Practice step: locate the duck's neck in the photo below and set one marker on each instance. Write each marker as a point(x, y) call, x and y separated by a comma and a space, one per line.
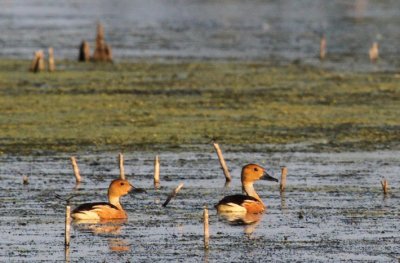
point(250, 191)
point(114, 200)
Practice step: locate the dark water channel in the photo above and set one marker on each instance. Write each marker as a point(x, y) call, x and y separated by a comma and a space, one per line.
point(333, 210)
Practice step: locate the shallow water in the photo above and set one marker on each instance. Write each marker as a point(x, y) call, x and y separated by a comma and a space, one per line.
point(288, 30)
point(345, 216)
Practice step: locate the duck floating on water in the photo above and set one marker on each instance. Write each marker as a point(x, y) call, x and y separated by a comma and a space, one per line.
point(105, 210)
point(250, 202)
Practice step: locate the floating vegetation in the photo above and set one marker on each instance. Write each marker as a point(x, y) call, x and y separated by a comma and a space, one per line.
point(154, 104)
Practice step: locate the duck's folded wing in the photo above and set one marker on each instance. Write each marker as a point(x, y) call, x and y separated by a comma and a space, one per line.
point(236, 203)
point(237, 199)
point(93, 206)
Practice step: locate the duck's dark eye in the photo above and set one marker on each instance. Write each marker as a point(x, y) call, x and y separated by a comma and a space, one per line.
point(256, 169)
point(122, 183)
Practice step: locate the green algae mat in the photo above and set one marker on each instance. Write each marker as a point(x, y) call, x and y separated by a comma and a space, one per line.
point(154, 103)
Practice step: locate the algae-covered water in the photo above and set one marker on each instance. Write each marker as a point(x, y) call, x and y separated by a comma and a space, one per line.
point(152, 104)
point(333, 209)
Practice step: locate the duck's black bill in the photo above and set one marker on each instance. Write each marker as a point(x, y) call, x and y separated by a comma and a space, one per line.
point(268, 177)
point(136, 190)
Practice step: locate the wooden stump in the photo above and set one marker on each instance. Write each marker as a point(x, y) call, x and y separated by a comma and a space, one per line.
point(84, 52)
point(322, 48)
point(173, 194)
point(156, 172)
point(52, 66)
point(222, 162)
point(385, 186)
point(102, 51)
point(282, 185)
point(121, 166)
point(67, 225)
point(76, 170)
point(25, 180)
point(206, 228)
point(374, 52)
point(38, 62)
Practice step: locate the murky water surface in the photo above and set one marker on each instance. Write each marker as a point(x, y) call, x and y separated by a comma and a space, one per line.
point(333, 209)
point(288, 30)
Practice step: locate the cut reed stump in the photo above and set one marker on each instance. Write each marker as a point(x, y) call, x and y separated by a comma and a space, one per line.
point(102, 50)
point(322, 48)
point(52, 66)
point(37, 64)
point(222, 162)
point(67, 225)
point(25, 180)
point(156, 172)
point(76, 170)
point(374, 52)
point(173, 194)
point(121, 166)
point(84, 52)
point(282, 186)
point(385, 186)
point(206, 228)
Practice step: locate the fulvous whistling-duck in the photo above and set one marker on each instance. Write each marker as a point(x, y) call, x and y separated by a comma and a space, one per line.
point(251, 202)
point(103, 210)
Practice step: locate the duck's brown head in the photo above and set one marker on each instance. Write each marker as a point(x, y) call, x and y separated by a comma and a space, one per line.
point(119, 187)
point(253, 172)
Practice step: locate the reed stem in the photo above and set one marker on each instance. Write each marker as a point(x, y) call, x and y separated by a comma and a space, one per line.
point(121, 166)
point(206, 228)
point(173, 194)
point(156, 172)
point(222, 162)
point(76, 170)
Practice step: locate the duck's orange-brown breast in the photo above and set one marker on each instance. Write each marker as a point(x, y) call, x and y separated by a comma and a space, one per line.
point(253, 207)
point(107, 212)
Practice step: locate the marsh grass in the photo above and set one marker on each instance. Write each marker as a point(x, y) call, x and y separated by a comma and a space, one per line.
point(151, 103)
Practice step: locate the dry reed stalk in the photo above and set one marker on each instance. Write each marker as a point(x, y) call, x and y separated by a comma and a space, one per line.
point(282, 185)
point(222, 162)
point(385, 186)
point(173, 194)
point(322, 48)
point(374, 52)
point(206, 228)
point(156, 172)
point(37, 62)
point(67, 225)
point(121, 166)
point(84, 52)
point(52, 66)
point(76, 170)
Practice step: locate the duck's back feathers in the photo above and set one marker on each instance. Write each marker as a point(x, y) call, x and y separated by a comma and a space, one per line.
point(236, 199)
point(91, 206)
point(99, 210)
point(240, 203)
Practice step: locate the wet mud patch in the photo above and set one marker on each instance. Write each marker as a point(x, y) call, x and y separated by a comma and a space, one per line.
point(333, 208)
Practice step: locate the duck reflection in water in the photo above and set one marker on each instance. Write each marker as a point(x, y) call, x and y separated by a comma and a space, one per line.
point(249, 220)
point(110, 229)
